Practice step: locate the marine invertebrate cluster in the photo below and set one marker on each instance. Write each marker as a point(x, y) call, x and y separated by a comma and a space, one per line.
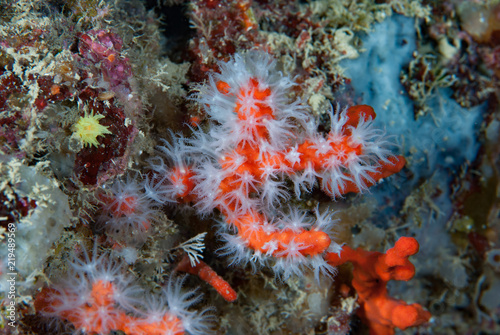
point(257, 138)
point(96, 297)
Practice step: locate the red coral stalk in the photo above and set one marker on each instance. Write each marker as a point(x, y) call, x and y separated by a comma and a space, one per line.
point(205, 272)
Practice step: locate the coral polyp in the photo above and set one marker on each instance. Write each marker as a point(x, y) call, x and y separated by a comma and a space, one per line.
point(87, 129)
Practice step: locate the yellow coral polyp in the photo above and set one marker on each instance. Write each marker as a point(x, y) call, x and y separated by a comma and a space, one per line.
point(88, 128)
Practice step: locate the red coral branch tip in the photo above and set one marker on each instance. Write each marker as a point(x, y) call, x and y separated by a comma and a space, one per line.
point(404, 316)
point(355, 113)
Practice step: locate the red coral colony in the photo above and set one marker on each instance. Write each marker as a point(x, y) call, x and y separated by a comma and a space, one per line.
point(239, 167)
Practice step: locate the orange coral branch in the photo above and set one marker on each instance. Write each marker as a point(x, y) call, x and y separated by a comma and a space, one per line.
point(372, 270)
